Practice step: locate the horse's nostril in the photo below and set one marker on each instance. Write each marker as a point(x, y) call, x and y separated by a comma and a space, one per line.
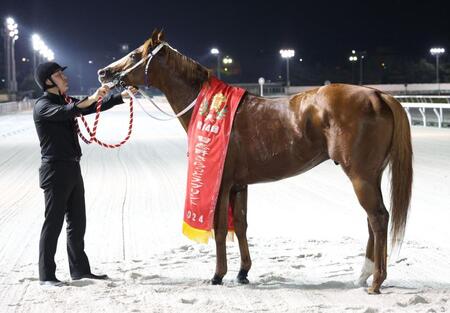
point(101, 72)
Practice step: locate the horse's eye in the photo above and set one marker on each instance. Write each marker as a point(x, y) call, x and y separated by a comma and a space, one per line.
point(135, 56)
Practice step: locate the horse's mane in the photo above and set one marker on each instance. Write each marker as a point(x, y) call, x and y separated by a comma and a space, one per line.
point(188, 67)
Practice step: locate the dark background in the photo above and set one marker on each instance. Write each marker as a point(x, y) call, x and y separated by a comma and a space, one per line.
point(395, 33)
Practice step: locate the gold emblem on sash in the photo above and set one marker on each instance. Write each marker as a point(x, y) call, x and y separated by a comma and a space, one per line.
point(217, 101)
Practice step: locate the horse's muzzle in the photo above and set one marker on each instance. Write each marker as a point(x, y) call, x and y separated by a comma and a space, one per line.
point(104, 75)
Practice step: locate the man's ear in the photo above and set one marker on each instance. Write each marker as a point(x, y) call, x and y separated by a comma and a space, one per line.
point(48, 82)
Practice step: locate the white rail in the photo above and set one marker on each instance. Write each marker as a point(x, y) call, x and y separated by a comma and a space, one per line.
point(423, 103)
point(16, 106)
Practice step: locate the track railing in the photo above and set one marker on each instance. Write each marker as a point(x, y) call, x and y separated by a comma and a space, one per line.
point(439, 105)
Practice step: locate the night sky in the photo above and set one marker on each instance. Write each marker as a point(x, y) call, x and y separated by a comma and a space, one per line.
point(251, 32)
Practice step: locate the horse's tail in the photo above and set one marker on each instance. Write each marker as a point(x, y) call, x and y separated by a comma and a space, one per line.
point(400, 169)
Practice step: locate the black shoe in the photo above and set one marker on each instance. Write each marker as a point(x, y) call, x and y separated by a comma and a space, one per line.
point(52, 283)
point(90, 276)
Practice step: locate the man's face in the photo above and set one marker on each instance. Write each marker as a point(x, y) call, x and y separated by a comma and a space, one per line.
point(60, 81)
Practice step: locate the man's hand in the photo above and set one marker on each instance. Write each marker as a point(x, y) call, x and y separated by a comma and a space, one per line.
point(100, 92)
point(131, 89)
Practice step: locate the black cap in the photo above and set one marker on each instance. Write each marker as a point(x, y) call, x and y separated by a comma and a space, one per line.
point(44, 71)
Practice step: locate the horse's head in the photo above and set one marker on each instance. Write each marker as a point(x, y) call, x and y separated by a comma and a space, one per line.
point(134, 62)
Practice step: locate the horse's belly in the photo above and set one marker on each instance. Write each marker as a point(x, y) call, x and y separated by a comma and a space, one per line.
point(279, 166)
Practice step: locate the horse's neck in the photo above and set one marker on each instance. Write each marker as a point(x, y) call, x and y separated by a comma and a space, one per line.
point(179, 89)
point(179, 98)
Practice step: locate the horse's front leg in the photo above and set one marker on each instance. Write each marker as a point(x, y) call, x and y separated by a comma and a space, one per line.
point(240, 226)
point(220, 234)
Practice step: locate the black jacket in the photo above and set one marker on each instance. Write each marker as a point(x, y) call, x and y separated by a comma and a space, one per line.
point(55, 125)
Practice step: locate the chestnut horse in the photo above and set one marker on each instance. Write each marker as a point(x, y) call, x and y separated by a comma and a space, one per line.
point(360, 128)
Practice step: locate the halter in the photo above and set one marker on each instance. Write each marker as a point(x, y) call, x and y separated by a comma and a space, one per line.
point(118, 80)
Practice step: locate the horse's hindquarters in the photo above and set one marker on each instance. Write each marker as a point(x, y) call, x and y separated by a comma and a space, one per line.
point(360, 127)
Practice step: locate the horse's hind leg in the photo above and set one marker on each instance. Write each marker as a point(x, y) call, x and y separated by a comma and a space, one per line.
point(369, 195)
point(240, 227)
point(367, 269)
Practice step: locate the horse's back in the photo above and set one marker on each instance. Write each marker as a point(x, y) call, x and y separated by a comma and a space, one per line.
point(350, 100)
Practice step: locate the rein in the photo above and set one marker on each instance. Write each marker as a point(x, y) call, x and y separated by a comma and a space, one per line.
point(170, 116)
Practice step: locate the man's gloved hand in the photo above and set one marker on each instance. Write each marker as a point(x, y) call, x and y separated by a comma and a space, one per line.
point(132, 89)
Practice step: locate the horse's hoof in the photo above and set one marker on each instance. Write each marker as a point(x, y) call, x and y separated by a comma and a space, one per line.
point(242, 277)
point(216, 280)
point(243, 281)
point(373, 291)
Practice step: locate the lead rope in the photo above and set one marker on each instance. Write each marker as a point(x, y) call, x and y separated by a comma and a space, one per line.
point(93, 133)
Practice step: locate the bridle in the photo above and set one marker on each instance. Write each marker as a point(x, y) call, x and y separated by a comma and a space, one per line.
point(118, 80)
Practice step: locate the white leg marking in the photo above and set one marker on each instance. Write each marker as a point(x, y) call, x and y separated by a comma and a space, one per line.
point(366, 271)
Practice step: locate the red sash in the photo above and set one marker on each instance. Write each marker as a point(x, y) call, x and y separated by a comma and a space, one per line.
point(208, 136)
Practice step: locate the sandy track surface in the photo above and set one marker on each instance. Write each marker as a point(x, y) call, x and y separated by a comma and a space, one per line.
point(307, 233)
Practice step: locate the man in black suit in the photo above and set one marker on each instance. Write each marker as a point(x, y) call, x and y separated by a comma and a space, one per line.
point(60, 175)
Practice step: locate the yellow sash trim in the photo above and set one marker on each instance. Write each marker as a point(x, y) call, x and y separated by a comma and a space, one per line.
point(198, 235)
point(202, 236)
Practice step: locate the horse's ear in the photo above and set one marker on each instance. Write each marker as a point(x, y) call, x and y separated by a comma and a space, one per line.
point(161, 36)
point(155, 36)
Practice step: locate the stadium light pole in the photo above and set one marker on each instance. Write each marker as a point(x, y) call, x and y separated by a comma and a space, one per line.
point(362, 55)
point(287, 54)
point(11, 34)
point(39, 46)
point(216, 52)
point(36, 43)
point(227, 61)
point(437, 52)
point(353, 59)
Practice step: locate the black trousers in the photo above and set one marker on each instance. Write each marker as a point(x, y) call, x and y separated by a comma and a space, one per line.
point(64, 196)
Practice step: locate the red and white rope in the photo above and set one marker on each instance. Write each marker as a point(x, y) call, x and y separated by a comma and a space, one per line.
point(93, 133)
